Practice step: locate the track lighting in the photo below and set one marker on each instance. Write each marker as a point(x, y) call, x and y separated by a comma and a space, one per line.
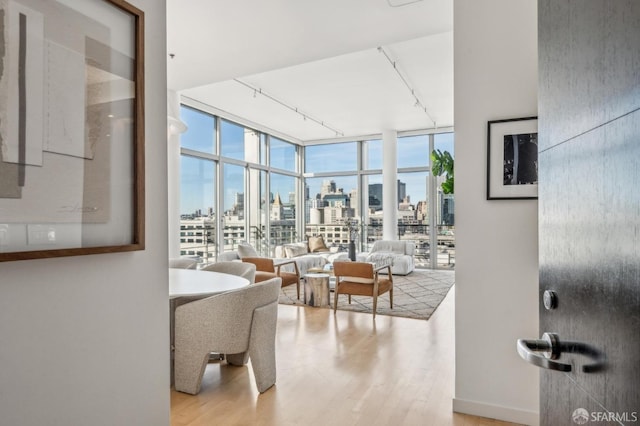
point(418, 103)
point(292, 108)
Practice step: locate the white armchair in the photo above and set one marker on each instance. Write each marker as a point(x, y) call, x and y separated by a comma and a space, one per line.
point(239, 323)
point(399, 252)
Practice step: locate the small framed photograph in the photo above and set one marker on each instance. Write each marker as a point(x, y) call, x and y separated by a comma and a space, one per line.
point(71, 128)
point(512, 159)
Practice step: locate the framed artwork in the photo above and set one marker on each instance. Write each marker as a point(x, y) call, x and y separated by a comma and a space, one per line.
point(71, 128)
point(512, 159)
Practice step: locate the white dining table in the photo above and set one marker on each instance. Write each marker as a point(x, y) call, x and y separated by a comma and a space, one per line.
point(192, 282)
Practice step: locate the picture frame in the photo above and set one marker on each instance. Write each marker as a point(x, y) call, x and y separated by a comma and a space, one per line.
point(71, 128)
point(512, 159)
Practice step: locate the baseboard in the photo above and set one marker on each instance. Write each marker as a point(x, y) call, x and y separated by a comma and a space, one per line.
point(531, 418)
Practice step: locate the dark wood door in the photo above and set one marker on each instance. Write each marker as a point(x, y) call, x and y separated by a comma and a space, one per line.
point(589, 201)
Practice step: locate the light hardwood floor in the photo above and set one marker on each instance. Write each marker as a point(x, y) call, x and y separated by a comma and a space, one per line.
point(342, 369)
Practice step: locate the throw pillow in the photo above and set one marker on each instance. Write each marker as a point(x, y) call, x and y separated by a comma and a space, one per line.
point(247, 250)
point(294, 251)
point(316, 244)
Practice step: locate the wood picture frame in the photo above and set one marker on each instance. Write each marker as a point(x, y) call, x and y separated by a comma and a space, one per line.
point(71, 128)
point(512, 159)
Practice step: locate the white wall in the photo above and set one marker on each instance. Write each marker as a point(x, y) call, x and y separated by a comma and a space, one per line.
point(495, 62)
point(84, 340)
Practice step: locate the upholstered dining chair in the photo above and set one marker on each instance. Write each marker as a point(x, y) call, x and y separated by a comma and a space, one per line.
point(267, 269)
point(182, 263)
point(240, 323)
point(245, 270)
point(242, 269)
point(362, 279)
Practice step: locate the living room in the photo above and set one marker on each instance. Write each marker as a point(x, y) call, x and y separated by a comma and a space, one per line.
point(117, 311)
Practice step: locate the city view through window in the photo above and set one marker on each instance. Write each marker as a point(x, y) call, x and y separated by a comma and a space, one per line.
point(270, 192)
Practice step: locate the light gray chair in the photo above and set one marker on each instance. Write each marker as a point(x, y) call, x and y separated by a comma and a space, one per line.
point(183, 263)
point(240, 323)
point(246, 270)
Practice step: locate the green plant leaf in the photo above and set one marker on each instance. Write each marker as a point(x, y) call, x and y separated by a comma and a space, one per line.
point(447, 186)
point(436, 163)
point(442, 164)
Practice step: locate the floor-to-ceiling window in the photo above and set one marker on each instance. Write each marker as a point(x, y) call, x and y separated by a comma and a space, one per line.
point(237, 184)
point(240, 184)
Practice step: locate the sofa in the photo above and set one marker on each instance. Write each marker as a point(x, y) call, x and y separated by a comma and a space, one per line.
point(299, 252)
point(306, 259)
point(400, 253)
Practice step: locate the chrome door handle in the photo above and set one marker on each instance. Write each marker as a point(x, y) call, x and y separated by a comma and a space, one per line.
point(548, 345)
point(551, 348)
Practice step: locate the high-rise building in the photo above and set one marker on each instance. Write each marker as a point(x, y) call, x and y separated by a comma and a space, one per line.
point(447, 212)
point(328, 187)
point(375, 190)
point(402, 191)
point(375, 196)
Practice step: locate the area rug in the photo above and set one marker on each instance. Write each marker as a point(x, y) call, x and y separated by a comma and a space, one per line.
point(416, 295)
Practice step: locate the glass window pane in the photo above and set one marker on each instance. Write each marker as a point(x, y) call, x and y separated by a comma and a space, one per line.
point(373, 217)
point(445, 214)
point(263, 149)
point(341, 157)
point(412, 197)
point(413, 213)
point(331, 200)
point(197, 207)
point(413, 151)
point(445, 220)
point(201, 131)
point(444, 142)
point(282, 154)
point(258, 205)
point(283, 209)
point(372, 155)
point(233, 205)
point(239, 142)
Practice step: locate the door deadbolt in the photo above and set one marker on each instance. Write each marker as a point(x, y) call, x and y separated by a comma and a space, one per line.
point(550, 300)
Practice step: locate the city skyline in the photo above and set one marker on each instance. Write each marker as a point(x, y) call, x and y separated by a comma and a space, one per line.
point(329, 188)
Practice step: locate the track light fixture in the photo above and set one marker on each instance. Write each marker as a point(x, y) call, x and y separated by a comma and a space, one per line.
point(418, 103)
point(305, 116)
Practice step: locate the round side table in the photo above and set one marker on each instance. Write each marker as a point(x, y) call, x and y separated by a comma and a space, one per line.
point(316, 289)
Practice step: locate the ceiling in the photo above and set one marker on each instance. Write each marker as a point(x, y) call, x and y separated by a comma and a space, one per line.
point(261, 61)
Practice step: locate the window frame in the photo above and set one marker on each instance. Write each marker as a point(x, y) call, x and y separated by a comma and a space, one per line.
point(301, 175)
